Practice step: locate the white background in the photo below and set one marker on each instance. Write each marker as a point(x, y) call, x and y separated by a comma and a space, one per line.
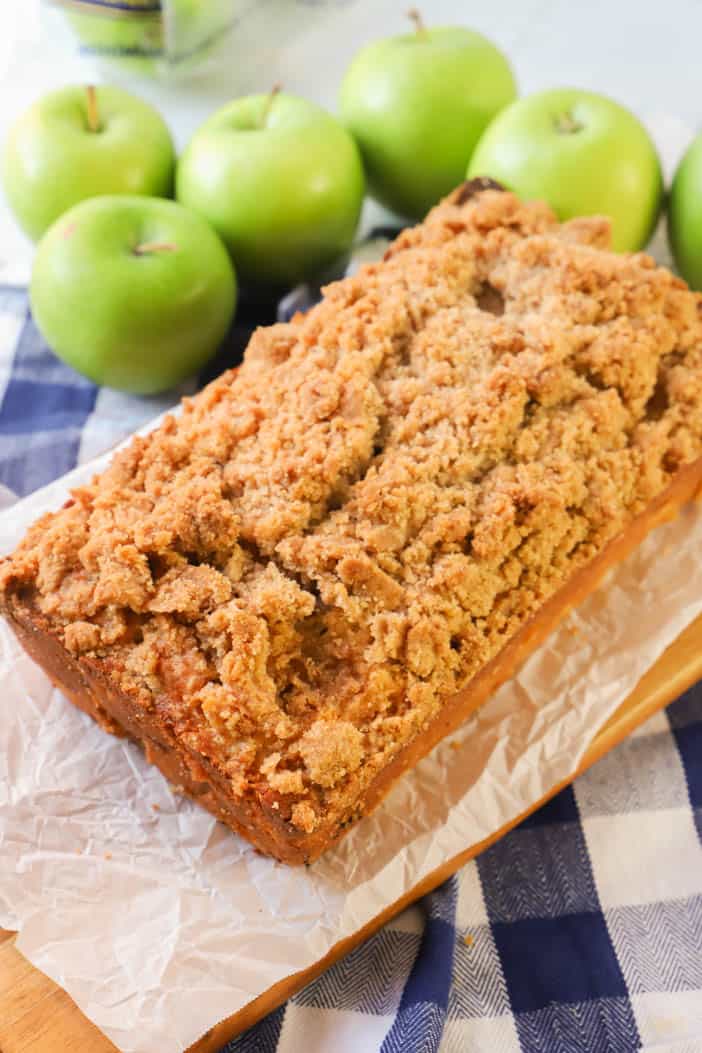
point(645, 53)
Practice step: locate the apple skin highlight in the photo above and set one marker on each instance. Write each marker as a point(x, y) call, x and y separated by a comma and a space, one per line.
point(280, 180)
point(581, 152)
point(133, 292)
point(79, 142)
point(417, 104)
point(685, 215)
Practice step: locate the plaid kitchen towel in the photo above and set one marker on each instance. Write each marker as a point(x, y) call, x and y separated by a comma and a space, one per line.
point(579, 931)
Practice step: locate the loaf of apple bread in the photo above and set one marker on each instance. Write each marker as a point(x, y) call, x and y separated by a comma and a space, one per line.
point(290, 591)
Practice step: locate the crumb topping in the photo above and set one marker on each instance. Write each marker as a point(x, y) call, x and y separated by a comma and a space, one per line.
point(330, 541)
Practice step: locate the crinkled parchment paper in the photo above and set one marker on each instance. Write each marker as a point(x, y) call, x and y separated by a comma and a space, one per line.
point(159, 922)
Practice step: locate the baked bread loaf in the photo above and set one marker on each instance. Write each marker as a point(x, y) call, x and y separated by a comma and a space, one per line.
point(292, 590)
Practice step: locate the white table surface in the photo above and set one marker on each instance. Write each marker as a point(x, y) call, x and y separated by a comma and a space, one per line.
point(645, 53)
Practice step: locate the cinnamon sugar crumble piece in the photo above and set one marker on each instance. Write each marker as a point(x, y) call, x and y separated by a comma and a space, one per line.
point(331, 749)
point(304, 817)
point(326, 544)
point(81, 636)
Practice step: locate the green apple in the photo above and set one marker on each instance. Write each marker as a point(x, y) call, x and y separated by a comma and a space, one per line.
point(134, 292)
point(417, 105)
point(136, 38)
point(131, 38)
point(582, 153)
point(280, 181)
point(196, 27)
point(685, 215)
point(79, 142)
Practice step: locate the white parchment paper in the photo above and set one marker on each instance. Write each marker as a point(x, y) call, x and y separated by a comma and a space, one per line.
point(159, 922)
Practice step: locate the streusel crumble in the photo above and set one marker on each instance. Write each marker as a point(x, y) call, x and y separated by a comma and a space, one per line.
point(296, 572)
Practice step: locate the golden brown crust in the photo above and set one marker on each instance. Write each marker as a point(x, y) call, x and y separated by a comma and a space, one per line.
point(293, 578)
point(292, 836)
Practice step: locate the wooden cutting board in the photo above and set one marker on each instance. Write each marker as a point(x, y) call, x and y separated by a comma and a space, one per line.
point(36, 1016)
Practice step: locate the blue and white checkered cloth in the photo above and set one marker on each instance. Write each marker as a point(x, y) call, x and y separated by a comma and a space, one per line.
point(579, 931)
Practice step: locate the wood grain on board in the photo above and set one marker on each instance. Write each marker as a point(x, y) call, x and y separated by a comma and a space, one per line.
point(36, 1016)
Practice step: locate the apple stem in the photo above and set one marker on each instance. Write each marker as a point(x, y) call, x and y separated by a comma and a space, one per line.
point(275, 90)
point(566, 124)
point(93, 113)
point(415, 15)
point(149, 247)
